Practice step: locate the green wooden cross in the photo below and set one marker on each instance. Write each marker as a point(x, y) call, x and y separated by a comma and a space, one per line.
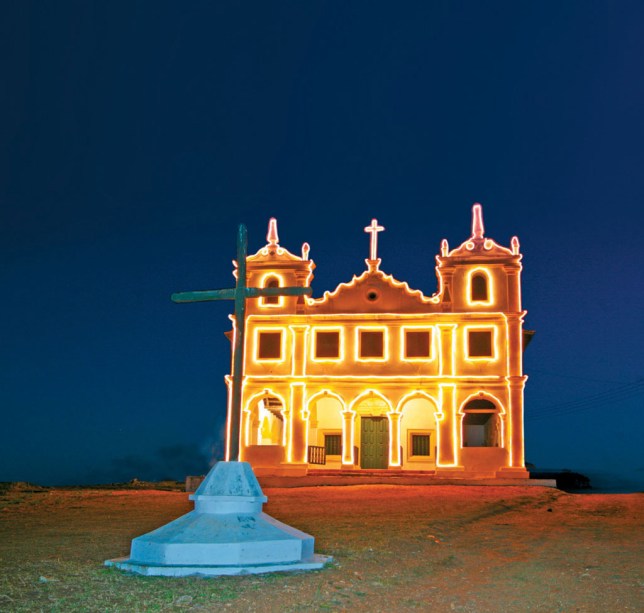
point(239, 294)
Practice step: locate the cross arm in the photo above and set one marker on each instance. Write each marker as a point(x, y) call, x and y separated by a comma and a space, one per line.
point(204, 296)
point(256, 292)
point(249, 292)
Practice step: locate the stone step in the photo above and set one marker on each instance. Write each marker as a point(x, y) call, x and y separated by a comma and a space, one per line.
point(370, 473)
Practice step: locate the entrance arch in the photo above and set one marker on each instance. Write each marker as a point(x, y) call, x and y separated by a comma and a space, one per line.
point(264, 430)
point(264, 423)
point(372, 436)
point(325, 428)
point(418, 431)
point(482, 425)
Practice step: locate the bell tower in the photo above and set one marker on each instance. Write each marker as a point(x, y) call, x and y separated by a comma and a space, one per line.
point(480, 275)
point(481, 286)
point(275, 266)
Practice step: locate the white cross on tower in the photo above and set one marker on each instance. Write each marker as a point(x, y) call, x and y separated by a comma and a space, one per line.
point(373, 229)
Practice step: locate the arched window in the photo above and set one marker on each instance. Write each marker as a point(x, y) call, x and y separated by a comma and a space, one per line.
point(478, 288)
point(481, 424)
point(267, 422)
point(271, 300)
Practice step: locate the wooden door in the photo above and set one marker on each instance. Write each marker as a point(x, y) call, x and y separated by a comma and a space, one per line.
point(374, 442)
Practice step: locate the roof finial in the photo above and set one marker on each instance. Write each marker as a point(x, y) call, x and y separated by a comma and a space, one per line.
point(373, 229)
point(272, 237)
point(305, 251)
point(477, 221)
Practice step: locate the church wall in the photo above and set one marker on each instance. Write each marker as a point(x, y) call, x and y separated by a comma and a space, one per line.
point(393, 361)
point(483, 461)
point(264, 456)
point(420, 393)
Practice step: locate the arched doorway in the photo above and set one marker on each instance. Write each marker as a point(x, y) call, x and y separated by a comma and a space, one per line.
point(264, 431)
point(418, 432)
point(265, 422)
point(325, 430)
point(373, 442)
point(481, 424)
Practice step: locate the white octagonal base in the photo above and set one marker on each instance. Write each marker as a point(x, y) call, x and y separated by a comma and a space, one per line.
point(226, 534)
point(315, 563)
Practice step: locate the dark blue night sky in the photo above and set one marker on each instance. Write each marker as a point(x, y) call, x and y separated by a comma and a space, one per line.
point(135, 136)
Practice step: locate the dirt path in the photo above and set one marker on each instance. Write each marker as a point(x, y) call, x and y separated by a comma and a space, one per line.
point(445, 548)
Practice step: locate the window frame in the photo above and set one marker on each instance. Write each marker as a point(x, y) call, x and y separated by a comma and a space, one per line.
point(403, 343)
point(257, 338)
point(432, 446)
point(315, 332)
point(493, 330)
point(385, 343)
point(489, 301)
point(279, 300)
point(326, 433)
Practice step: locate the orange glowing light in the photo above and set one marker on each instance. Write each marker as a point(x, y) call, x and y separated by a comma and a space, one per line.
point(391, 346)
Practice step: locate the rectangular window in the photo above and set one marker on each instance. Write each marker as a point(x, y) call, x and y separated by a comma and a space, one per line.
point(372, 344)
point(327, 345)
point(418, 343)
point(480, 344)
point(269, 346)
point(333, 444)
point(420, 445)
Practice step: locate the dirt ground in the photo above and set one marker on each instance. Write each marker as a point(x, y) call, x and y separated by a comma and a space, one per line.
point(396, 548)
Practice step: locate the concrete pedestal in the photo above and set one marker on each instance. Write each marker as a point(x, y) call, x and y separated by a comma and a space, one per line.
point(226, 534)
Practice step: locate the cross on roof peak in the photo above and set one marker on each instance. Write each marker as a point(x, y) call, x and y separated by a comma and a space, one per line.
point(373, 229)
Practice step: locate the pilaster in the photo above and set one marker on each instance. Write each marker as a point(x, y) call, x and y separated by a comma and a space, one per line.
point(446, 345)
point(447, 434)
point(348, 424)
point(296, 450)
point(394, 434)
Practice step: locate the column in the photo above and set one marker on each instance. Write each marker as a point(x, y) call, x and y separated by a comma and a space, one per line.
point(394, 439)
point(515, 422)
point(447, 430)
point(297, 449)
point(229, 397)
point(515, 344)
point(513, 276)
point(348, 424)
point(299, 337)
point(446, 348)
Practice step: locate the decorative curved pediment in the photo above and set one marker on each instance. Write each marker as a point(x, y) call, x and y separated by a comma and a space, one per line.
point(483, 246)
point(478, 245)
point(273, 252)
point(372, 292)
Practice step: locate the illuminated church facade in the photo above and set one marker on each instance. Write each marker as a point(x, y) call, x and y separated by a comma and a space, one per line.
point(375, 375)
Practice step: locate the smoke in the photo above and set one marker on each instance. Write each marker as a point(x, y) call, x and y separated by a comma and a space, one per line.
point(168, 462)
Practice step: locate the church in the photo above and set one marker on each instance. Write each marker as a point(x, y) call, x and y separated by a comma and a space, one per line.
point(377, 376)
